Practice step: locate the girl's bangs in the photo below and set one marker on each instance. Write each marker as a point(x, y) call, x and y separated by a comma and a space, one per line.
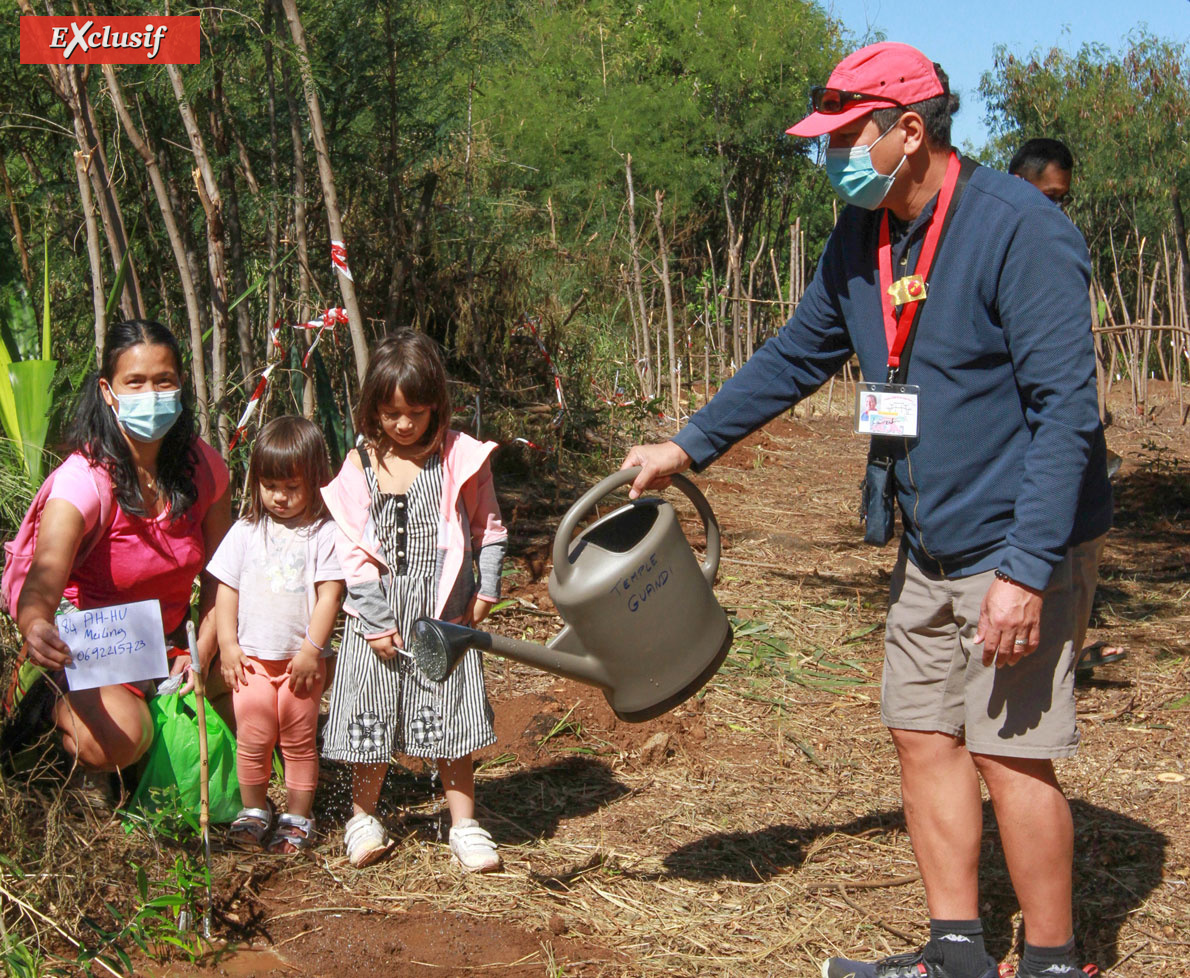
point(278, 460)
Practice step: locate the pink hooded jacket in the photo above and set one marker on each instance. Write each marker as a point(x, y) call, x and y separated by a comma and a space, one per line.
point(469, 532)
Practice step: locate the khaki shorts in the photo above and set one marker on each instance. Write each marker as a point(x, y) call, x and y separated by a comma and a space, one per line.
point(935, 679)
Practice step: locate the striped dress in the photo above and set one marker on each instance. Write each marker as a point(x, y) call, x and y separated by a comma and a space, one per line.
point(379, 708)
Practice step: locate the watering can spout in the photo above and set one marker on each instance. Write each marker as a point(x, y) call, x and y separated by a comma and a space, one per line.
point(642, 622)
point(437, 646)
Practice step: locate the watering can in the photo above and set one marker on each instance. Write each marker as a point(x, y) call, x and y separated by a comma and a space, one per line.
point(642, 622)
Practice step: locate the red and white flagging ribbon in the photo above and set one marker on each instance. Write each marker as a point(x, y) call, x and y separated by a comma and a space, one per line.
point(339, 259)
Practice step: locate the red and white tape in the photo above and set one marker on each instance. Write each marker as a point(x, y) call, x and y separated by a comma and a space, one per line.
point(339, 259)
point(328, 320)
point(529, 324)
point(253, 403)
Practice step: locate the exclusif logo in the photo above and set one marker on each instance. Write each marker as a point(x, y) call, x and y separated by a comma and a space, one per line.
point(110, 40)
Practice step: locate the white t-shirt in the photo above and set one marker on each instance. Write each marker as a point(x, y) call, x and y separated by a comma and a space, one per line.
point(274, 568)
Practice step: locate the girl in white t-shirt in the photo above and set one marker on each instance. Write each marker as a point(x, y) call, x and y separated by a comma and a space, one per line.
point(280, 588)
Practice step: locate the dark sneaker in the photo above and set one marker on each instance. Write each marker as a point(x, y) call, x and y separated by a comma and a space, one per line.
point(911, 965)
point(1059, 971)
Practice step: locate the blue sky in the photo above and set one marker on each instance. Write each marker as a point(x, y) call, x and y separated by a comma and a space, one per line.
point(961, 36)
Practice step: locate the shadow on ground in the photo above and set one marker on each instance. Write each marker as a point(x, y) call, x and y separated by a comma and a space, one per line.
point(1118, 863)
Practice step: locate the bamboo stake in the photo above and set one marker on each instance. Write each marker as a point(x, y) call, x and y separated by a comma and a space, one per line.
point(1184, 343)
point(204, 766)
point(1169, 308)
point(751, 278)
point(777, 282)
point(735, 273)
point(1142, 339)
point(706, 346)
point(648, 383)
point(794, 230)
point(1100, 386)
point(675, 392)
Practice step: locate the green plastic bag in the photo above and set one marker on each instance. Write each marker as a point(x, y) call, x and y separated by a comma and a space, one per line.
point(173, 760)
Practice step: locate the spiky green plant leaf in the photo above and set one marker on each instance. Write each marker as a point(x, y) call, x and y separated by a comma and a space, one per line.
point(31, 384)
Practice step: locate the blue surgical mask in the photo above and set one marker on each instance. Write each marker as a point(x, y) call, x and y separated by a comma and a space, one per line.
point(855, 179)
point(148, 416)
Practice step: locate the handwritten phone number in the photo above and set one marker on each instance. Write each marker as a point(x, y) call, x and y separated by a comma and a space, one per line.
point(104, 651)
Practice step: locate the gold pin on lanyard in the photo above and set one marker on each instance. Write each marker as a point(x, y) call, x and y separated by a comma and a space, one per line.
point(912, 288)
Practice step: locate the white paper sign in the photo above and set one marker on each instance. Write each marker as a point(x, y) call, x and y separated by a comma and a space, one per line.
point(123, 643)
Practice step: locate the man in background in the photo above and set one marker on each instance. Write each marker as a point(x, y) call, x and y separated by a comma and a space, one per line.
point(1048, 165)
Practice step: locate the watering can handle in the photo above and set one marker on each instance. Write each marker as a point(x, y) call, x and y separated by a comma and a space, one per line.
point(622, 478)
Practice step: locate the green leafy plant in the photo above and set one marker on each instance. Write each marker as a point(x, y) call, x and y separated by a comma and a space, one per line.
point(26, 381)
point(20, 959)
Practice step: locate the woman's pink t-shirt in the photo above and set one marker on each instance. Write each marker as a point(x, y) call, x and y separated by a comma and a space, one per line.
point(140, 558)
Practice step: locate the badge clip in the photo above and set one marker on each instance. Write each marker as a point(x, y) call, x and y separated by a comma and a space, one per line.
point(912, 288)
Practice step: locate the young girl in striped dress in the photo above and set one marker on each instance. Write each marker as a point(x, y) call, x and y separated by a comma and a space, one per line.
point(417, 515)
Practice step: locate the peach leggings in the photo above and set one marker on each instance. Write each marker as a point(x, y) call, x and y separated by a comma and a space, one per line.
point(267, 712)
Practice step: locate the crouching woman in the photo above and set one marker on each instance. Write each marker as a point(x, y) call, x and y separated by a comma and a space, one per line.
point(133, 513)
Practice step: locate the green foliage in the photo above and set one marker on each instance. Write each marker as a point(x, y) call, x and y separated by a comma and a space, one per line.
point(17, 487)
point(699, 95)
point(27, 382)
point(1122, 115)
point(21, 958)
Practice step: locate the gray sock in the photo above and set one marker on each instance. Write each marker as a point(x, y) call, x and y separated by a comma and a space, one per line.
point(1050, 962)
point(961, 944)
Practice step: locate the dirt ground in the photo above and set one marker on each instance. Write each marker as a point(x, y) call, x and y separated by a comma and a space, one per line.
point(757, 828)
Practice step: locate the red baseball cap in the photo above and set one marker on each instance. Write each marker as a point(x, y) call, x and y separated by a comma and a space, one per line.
point(895, 74)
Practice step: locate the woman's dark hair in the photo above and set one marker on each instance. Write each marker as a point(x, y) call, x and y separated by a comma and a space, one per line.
point(97, 435)
point(409, 362)
point(935, 113)
point(289, 448)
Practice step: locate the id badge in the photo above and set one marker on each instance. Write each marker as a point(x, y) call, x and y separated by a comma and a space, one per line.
point(886, 409)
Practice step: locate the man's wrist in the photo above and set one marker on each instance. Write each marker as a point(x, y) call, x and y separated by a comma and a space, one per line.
point(1001, 576)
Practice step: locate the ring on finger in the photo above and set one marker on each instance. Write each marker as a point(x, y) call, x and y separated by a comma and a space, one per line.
point(1020, 641)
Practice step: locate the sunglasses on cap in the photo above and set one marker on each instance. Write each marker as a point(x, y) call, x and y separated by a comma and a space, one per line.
point(832, 101)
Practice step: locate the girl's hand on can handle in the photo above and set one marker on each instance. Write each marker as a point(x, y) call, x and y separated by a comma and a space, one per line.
point(478, 610)
point(386, 646)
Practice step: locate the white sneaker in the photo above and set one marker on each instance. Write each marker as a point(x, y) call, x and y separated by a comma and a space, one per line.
point(473, 848)
point(366, 840)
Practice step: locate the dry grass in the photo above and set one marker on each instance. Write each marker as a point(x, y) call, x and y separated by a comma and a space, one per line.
point(766, 832)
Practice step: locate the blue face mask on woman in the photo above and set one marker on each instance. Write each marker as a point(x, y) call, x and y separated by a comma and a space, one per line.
point(855, 179)
point(148, 416)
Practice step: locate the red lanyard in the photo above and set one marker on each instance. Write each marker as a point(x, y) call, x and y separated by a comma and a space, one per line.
point(897, 327)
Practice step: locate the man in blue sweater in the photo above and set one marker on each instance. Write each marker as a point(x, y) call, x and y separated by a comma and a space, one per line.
point(1000, 480)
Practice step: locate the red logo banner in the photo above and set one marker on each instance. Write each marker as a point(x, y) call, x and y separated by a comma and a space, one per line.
point(110, 40)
